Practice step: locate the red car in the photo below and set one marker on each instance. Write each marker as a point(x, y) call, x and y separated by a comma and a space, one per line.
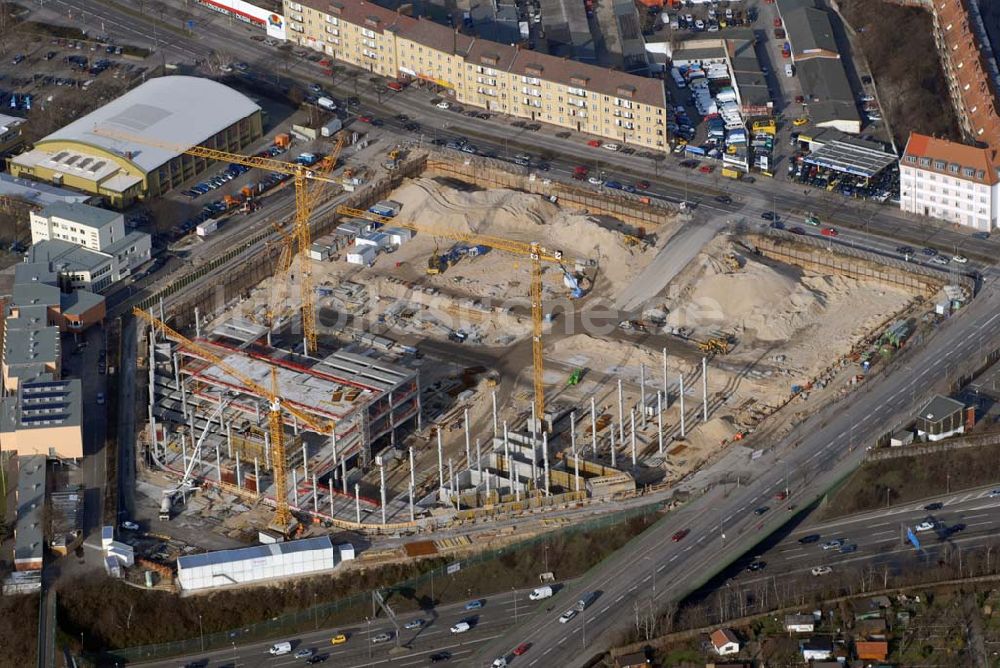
point(781, 496)
point(594, 143)
point(829, 232)
point(800, 99)
point(706, 169)
point(680, 535)
point(522, 648)
point(777, 22)
point(580, 172)
point(642, 185)
point(365, 119)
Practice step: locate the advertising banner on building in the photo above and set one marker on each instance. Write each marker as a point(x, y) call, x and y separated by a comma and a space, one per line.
point(273, 23)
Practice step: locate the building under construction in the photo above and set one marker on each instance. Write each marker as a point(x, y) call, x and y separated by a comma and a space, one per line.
point(219, 425)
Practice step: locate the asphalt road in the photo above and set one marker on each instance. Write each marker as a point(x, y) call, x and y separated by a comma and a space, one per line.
point(722, 522)
point(880, 535)
point(415, 646)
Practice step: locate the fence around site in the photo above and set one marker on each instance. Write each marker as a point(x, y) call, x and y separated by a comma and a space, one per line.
point(315, 617)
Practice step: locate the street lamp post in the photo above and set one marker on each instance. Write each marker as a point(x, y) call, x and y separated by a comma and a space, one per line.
point(545, 551)
point(201, 631)
point(513, 593)
point(369, 622)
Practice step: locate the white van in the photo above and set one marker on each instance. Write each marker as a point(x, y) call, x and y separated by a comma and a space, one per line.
point(788, 70)
point(277, 649)
point(540, 593)
point(327, 103)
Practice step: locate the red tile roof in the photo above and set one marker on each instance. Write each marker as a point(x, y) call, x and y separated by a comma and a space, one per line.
point(943, 154)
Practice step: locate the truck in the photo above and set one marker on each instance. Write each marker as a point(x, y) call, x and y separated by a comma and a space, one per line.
point(166, 501)
point(386, 207)
point(207, 227)
point(731, 173)
point(585, 601)
point(327, 103)
point(331, 128)
point(396, 85)
point(280, 648)
point(540, 593)
point(307, 159)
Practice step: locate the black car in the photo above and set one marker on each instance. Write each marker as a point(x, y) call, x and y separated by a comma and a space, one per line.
point(847, 549)
point(811, 538)
point(402, 118)
point(904, 250)
point(724, 199)
point(937, 505)
point(777, 225)
point(440, 656)
point(797, 230)
point(317, 658)
point(438, 141)
point(955, 528)
point(412, 127)
point(767, 215)
point(353, 101)
point(564, 135)
point(928, 251)
point(760, 511)
point(756, 566)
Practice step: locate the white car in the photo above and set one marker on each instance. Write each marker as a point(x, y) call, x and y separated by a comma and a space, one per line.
point(994, 494)
point(461, 627)
point(594, 181)
point(821, 570)
point(381, 638)
point(129, 526)
point(413, 624)
point(305, 653)
point(833, 544)
point(611, 147)
point(926, 525)
point(939, 260)
point(960, 259)
point(566, 616)
point(443, 105)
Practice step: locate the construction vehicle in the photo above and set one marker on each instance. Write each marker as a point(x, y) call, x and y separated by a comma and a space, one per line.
point(276, 425)
point(733, 262)
point(713, 346)
point(574, 378)
point(532, 250)
point(305, 199)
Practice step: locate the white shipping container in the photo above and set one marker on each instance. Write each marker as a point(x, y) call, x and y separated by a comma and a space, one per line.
point(207, 227)
point(253, 564)
point(361, 255)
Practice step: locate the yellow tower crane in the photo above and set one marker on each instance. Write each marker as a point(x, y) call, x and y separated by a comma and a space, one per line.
point(532, 250)
point(304, 200)
point(282, 515)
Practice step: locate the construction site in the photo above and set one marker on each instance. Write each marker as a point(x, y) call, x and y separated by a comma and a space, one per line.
point(422, 365)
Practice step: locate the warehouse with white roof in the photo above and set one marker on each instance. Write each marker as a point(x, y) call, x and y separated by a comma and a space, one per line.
point(178, 110)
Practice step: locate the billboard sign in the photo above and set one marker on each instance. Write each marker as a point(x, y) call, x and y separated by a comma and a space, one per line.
point(273, 23)
point(454, 568)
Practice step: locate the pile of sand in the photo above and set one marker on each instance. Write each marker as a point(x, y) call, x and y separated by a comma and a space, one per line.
point(516, 215)
point(763, 302)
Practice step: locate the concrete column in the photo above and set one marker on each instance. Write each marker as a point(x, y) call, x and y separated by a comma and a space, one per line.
point(681, 377)
point(305, 460)
point(572, 432)
point(593, 425)
point(197, 319)
point(611, 432)
point(333, 447)
point(413, 473)
point(411, 502)
point(177, 371)
point(184, 451)
point(704, 388)
point(440, 461)
point(545, 459)
point(295, 425)
point(152, 429)
point(256, 473)
point(451, 480)
point(163, 317)
point(218, 461)
point(534, 425)
point(496, 429)
point(487, 487)
point(229, 440)
point(357, 502)
point(222, 418)
point(506, 443)
point(330, 487)
point(468, 453)
point(381, 485)
point(621, 413)
point(295, 488)
point(343, 473)
point(479, 459)
point(576, 470)
point(642, 393)
point(510, 477)
point(666, 393)
point(315, 495)
point(267, 449)
point(659, 421)
point(184, 401)
point(633, 438)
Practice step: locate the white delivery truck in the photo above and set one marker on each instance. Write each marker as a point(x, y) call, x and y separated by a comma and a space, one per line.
point(327, 103)
point(279, 648)
point(540, 593)
point(331, 128)
point(788, 70)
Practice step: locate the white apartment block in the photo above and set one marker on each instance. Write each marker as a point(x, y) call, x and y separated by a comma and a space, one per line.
point(949, 181)
point(88, 246)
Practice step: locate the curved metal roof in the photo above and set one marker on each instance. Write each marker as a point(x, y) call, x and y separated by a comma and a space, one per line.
point(175, 109)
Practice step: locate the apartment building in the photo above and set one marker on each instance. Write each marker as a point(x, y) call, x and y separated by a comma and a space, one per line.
point(475, 72)
point(950, 181)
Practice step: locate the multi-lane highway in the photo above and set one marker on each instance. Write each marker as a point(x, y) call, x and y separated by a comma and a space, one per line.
point(724, 525)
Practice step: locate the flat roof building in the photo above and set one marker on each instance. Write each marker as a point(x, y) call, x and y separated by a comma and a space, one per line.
point(845, 154)
point(10, 133)
point(181, 110)
point(29, 534)
point(223, 568)
point(44, 417)
point(940, 418)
